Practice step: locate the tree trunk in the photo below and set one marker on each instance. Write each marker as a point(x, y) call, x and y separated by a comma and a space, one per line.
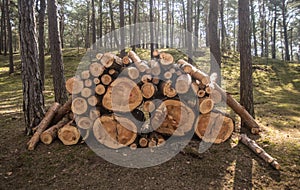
point(214, 40)
point(223, 29)
point(262, 30)
point(41, 39)
point(87, 37)
point(93, 25)
point(9, 35)
point(151, 29)
point(4, 28)
point(135, 16)
point(57, 66)
point(274, 32)
point(100, 22)
point(61, 24)
point(33, 99)
point(113, 27)
point(122, 31)
point(190, 30)
point(197, 23)
point(253, 28)
point(246, 92)
point(1, 31)
point(285, 32)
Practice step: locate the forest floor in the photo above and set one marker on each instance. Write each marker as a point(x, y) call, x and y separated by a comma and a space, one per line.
point(229, 165)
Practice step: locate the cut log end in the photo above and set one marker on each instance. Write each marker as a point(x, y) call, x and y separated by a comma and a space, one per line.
point(69, 135)
point(214, 127)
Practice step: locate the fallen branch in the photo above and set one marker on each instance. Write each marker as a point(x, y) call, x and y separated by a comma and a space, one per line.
point(259, 151)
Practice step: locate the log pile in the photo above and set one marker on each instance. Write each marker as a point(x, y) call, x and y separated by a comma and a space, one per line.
point(129, 102)
point(113, 97)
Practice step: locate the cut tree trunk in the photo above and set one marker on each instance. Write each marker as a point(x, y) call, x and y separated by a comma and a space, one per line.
point(69, 134)
point(74, 85)
point(240, 110)
point(50, 134)
point(79, 106)
point(214, 127)
point(173, 117)
point(114, 131)
point(123, 95)
point(259, 151)
point(43, 125)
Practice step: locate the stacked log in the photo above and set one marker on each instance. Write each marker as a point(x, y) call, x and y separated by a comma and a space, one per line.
point(129, 102)
point(176, 98)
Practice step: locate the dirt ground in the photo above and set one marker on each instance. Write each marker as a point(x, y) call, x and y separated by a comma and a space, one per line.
point(226, 166)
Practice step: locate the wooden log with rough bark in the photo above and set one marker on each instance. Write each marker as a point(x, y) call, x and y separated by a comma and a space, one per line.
point(214, 127)
point(194, 72)
point(50, 134)
point(62, 111)
point(43, 125)
point(69, 134)
point(259, 151)
point(239, 109)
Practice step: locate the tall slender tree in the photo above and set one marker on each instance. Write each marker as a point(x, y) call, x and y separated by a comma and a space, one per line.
point(214, 40)
point(93, 24)
point(246, 91)
point(135, 17)
point(253, 27)
point(57, 66)
point(4, 28)
point(33, 99)
point(41, 39)
point(285, 29)
point(190, 29)
point(100, 22)
point(122, 31)
point(87, 37)
point(151, 28)
point(9, 35)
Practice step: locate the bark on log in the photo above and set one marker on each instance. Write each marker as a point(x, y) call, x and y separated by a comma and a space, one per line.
point(214, 127)
point(259, 151)
point(50, 134)
point(114, 131)
point(194, 72)
point(62, 111)
point(69, 134)
point(43, 125)
point(240, 110)
point(123, 95)
point(173, 117)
